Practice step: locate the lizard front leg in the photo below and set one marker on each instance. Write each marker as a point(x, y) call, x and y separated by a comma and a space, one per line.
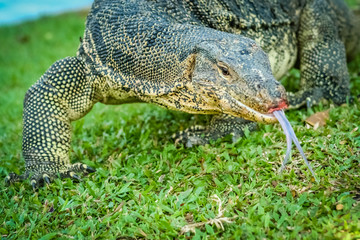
point(62, 94)
point(324, 73)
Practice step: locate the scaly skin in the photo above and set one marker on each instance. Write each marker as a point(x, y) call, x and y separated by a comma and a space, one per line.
point(63, 94)
point(190, 56)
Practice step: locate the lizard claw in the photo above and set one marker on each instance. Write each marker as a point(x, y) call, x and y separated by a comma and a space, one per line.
point(89, 169)
point(8, 180)
point(74, 176)
point(46, 178)
point(308, 103)
point(34, 185)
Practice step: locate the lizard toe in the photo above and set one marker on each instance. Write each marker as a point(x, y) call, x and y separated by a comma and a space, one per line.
point(35, 184)
point(81, 168)
point(13, 177)
point(87, 169)
point(70, 174)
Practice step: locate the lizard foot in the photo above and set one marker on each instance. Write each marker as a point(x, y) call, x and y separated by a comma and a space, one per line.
point(13, 177)
point(220, 126)
point(195, 135)
point(38, 178)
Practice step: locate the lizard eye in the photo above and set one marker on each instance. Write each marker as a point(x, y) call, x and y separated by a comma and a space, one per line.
point(224, 70)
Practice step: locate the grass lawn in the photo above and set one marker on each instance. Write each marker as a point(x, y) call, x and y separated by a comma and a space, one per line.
point(145, 187)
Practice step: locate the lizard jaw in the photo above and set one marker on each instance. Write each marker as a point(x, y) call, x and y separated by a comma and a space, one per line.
point(238, 109)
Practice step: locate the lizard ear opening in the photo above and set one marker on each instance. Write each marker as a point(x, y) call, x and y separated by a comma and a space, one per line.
point(189, 65)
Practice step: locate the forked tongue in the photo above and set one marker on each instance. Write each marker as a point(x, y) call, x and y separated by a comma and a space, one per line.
point(290, 137)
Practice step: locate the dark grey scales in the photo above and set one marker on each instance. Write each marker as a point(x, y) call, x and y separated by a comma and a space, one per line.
point(193, 56)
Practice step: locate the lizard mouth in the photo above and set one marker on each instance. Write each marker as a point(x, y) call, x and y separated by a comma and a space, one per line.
point(238, 109)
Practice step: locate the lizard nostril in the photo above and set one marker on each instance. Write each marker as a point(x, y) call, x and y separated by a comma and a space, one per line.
point(258, 86)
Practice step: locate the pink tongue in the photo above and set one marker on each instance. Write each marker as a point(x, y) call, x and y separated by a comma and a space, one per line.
point(290, 137)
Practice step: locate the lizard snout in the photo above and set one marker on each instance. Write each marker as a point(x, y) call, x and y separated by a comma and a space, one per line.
point(273, 97)
point(281, 104)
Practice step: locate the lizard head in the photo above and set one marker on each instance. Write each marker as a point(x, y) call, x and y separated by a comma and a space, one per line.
point(234, 76)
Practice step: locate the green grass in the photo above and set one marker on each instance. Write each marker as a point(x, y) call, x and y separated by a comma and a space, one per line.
point(145, 187)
